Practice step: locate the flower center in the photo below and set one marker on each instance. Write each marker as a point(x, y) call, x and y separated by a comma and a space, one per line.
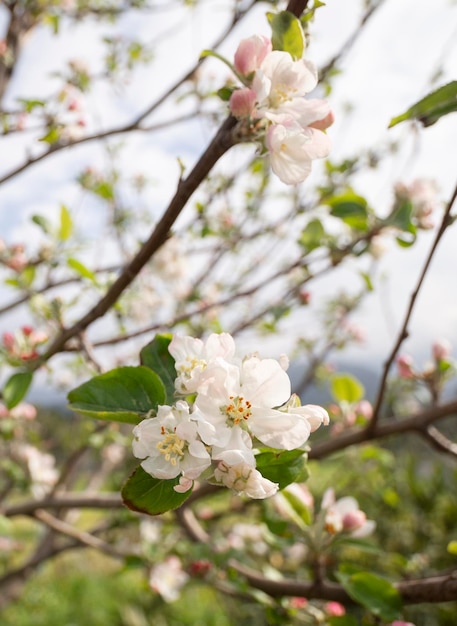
point(171, 446)
point(238, 409)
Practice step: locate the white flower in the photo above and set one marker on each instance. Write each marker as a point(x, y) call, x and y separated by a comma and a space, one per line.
point(41, 468)
point(168, 578)
point(313, 415)
point(245, 396)
point(245, 480)
point(293, 148)
point(344, 515)
point(169, 444)
point(280, 79)
point(192, 356)
point(237, 449)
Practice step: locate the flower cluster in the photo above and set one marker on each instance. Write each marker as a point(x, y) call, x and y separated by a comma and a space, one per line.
point(422, 193)
point(238, 404)
point(272, 105)
point(22, 345)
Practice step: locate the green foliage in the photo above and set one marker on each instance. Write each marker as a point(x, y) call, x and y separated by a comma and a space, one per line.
point(430, 109)
point(346, 388)
point(283, 468)
point(66, 224)
point(313, 236)
point(82, 270)
point(155, 355)
point(126, 394)
point(287, 33)
point(146, 494)
point(16, 388)
point(351, 208)
point(377, 594)
point(402, 218)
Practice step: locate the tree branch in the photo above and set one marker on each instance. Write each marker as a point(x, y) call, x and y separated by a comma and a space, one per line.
point(441, 588)
point(403, 334)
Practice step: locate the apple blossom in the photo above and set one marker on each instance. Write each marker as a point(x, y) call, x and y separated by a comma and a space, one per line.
point(192, 356)
point(344, 515)
point(242, 102)
point(250, 53)
point(441, 350)
point(168, 578)
point(245, 396)
point(245, 480)
point(169, 444)
point(334, 609)
point(292, 150)
point(405, 366)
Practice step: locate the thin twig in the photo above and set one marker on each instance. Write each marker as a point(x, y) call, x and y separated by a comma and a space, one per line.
point(403, 334)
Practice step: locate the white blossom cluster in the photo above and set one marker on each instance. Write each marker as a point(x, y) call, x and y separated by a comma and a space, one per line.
point(272, 102)
point(239, 404)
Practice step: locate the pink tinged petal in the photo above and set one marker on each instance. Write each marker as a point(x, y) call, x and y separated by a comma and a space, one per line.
point(242, 102)
point(286, 75)
point(325, 122)
point(318, 145)
point(250, 53)
point(307, 112)
point(292, 149)
point(184, 485)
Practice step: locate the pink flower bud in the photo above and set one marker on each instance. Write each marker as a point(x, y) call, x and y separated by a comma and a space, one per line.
point(200, 568)
point(405, 366)
point(298, 603)
point(8, 341)
point(324, 123)
point(364, 409)
point(400, 622)
point(305, 296)
point(242, 102)
point(17, 262)
point(27, 330)
point(250, 53)
point(335, 609)
point(441, 350)
point(353, 520)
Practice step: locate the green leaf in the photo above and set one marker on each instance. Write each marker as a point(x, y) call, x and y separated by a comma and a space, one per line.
point(52, 136)
point(346, 388)
point(430, 109)
point(155, 355)
point(82, 270)
point(27, 276)
point(126, 394)
point(377, 594)
point(146, 494)
point(313, 235)
point(300, 512)
point(43, 223)
point(66, 223)
point(16, 388)
point(350, 208)
point(342, 620)
point(287, 33)
point(30, 104)
point(283, 468)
